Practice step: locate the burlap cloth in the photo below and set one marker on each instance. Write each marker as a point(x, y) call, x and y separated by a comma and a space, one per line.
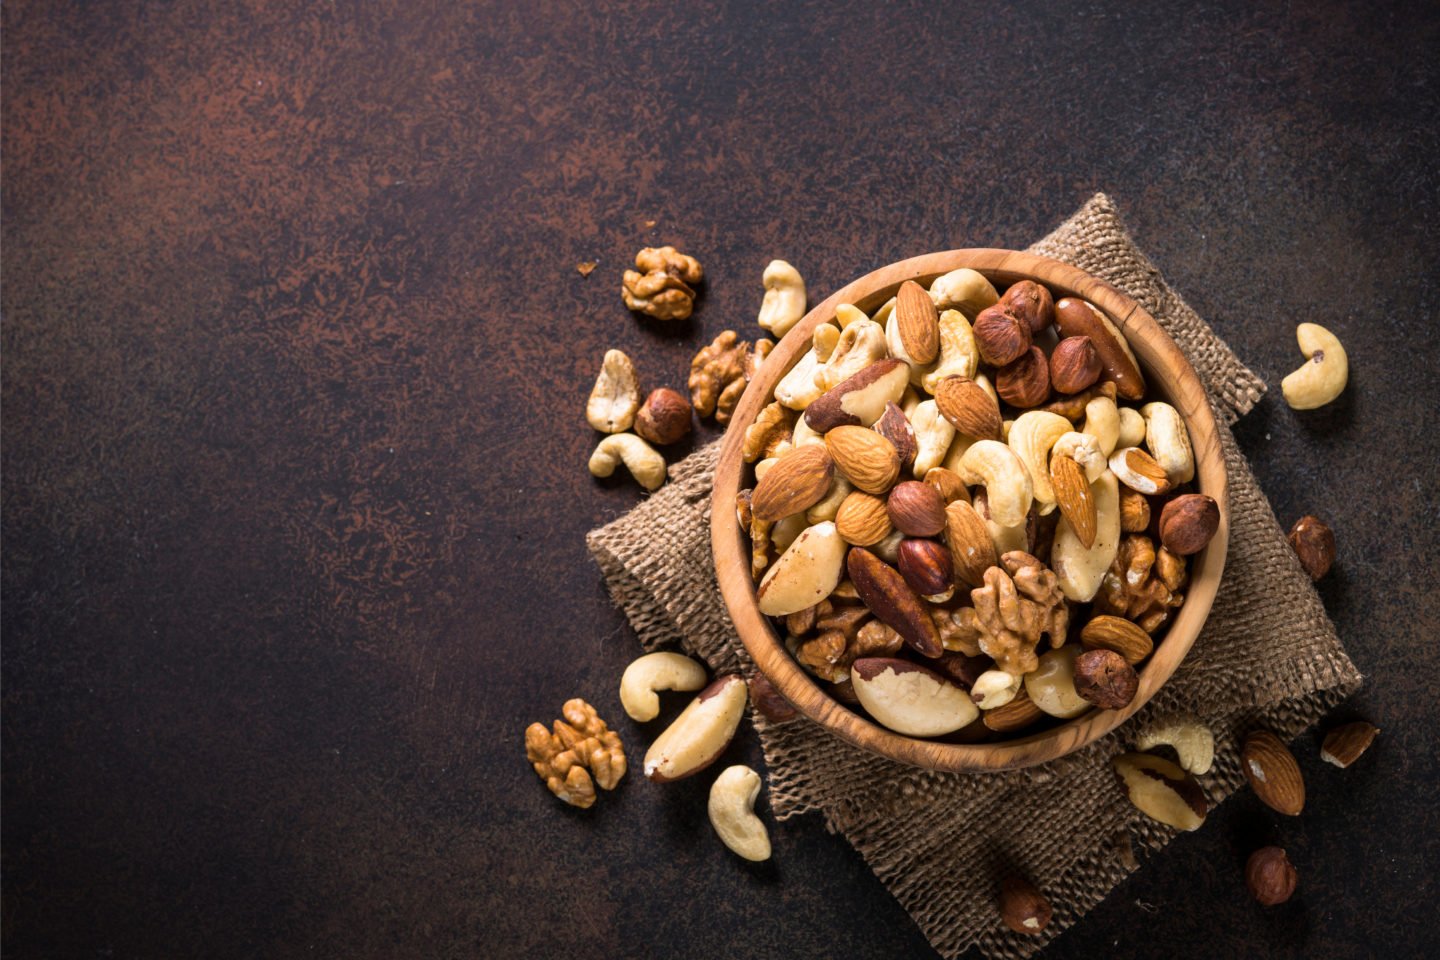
point(1268, 656)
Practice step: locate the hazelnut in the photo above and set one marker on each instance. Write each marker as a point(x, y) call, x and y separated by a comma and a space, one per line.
point(1104, 678)
point(1023, 908)
point(927, 567)
point(664, 417)
point(1000, 336)
point(1188, 522)
point(1314, 544)
point(916, 509)
point(1134, 511)
point(1032, 303)
point(1074, 364)
point(1270, 876)
point(1025, 382)
point(768, 701)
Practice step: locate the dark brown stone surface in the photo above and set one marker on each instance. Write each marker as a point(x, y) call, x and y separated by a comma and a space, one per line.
point(294, 493)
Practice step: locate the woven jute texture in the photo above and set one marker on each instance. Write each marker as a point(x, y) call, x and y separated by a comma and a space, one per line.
point(1268, 656)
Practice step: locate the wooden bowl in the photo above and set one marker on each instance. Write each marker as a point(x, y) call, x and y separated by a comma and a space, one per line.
point(1169, 376)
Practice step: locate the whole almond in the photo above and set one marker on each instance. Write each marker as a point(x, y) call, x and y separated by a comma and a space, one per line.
point(1000, 336)
point(1345, 743)
point(947, 483)
point(797, 481)
point(893, 426)
point(892, 601)
point(971, 549)
point(916, 509)
point(1015, 715)
point(1273, 773)
point(969, 408)
point(867, 460)
point(1024, 381)
point(1072, 493)
point(918, 322)
point(1118, 634)
point(862, 519)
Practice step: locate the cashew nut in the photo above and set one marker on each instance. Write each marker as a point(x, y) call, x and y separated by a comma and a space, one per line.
point(1085, 450)
point(896, 346)
point(823, 339)
point(784, 302)
point(964, 290)
point(641, 459)
point(1193, 742)
point(798, 389)
point(882, 316)
point(994, 688)
point(827, 508)
point(1102, 421)
point(763, 467)
point(1051, 685)
point(958, 355)
point(1325, 373)
point(933, 435)
point(652, 672)
point(848, 313)
point(1132, 429)
point(1008, 489)
point(615, 396)
point(1169, 441)
point(803, 433)
point(958, 446)
point(861, 344)
point(1031, 437)
point(732, 813)
point(1080, 570)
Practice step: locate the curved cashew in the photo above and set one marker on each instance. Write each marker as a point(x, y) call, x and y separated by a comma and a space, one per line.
point(848, 313)
point(1085, 450)
point(823, 341)
point(1102, 421)
point(1325, 373)
point(933, 435)
point(615, 396)
point(1031, 437)
point(994, 688)
point(784, 302)
point(1193, 742)
point(965, 290)
point(958, 355)
point(1169, 441)
point(798, 389)
point(827, 508)
point(1007, 483)
point(652, 672)
point(861, 344)
point(1078, 569)
point(1132, 429)
point(641, 459)
point(803, 434)
point(732, 813)
point(1003, 538)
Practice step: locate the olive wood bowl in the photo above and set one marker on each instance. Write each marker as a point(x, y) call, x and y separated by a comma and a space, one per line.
point(1169, 377)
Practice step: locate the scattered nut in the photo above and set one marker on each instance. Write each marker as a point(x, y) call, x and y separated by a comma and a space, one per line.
point(642, 460)
point(1162, 791)
point(719, 373)
point(1074, 364)
point(1024, 381)
point(1325, 373)
point(1193, 742)
point(1273, 773)
point(1023, 908)
point(1314, 544)
point(1270, 876)
point(657, 671)
point(701, 732)
point(1000, 335)
point(615, 396)
point(770, 703)
point(664, 417)
point(909, 698)
point(784, 302)
point(1188, 522)
point(1105, 679)
point(1344, 745)
point(581, 745)
point(732, 813)
point(665, 290)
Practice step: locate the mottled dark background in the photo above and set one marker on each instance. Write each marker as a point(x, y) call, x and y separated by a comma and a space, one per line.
point(294, 485)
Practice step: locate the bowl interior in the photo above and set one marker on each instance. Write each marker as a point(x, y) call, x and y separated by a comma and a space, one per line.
point(1169, 376)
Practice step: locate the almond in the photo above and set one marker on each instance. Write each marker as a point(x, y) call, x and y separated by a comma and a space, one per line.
point(863, 519)
point(1072, 493)
point(916, 509)
point(1272, 771)
point(798, 480)
point(1015, 715)
point(1139, 471)
point(971, 549)
point(947, 483)
point(1120, 635)
point(969, 408)
point(1344, 744)
point(918, 322)
point(893, 426)
point(867, 460)
point(892, 601)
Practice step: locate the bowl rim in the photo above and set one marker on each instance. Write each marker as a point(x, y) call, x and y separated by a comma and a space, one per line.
point(1179, 385)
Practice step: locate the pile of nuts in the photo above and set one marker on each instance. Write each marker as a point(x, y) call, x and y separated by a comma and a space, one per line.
point(951, 490)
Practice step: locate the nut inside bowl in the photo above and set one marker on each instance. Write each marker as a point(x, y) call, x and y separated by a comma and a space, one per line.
point(1169, 377)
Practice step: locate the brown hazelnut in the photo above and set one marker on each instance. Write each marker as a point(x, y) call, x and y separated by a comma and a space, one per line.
point(1023, 908)
point(1105, 679)
point(1188, 522)
point(927, 567)
point(1270, 876)
point(1134, 511)
point(1074, 364)
point(1000, 336)
point(768, 701)
point(664, 417)
point(1025, 382)
point(915, 508)
point(1314, 544)
point(1032, 303)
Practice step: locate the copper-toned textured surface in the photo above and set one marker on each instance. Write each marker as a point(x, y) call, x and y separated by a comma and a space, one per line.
point(295, 354)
